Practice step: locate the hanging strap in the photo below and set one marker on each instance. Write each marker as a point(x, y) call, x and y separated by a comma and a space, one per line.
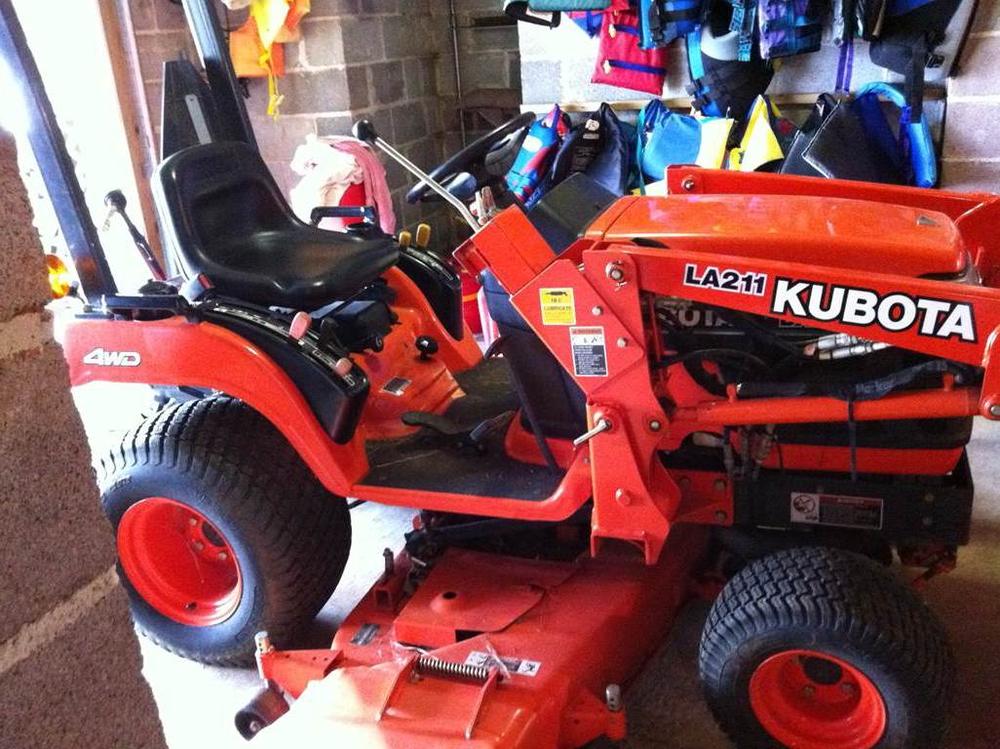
point(640, 130)
point(636, 67)
point(845, 68)
point(743, 22)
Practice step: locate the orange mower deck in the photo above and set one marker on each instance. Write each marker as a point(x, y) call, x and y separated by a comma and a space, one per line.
point(488, 652)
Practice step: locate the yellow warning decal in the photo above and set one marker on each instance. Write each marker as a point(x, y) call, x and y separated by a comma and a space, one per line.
point(558, 307)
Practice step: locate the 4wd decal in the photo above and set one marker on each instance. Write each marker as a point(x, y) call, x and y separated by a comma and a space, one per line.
point(102, 358)
point(895, 312)
point(725, 279)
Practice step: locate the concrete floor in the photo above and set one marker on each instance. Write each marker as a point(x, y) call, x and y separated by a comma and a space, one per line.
point(664, 704)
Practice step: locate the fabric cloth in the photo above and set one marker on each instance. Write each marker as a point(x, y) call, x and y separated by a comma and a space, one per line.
point(329, 166)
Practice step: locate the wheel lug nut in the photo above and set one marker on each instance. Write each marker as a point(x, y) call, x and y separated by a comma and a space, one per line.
point(846, 687)
point(198, 545)
point(221, 556)
point(808, 690)
point(192, 522)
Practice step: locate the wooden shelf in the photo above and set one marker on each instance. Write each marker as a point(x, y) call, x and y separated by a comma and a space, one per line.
point(684, 102)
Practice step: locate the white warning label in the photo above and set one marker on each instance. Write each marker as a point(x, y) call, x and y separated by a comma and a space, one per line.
point(836, 510)
point(590, 355)
point(517, 666)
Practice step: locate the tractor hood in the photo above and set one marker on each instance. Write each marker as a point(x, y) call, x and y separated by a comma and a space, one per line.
point(851, 234)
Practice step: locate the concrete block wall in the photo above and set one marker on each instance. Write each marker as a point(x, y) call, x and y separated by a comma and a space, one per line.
point(489, 60)
point(69, 659)
point(971, 157)
point(388, 60)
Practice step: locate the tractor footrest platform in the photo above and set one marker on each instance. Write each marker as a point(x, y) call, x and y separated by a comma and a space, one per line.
point(422, 461)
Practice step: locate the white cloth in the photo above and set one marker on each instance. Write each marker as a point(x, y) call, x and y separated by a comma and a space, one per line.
point(326, 175)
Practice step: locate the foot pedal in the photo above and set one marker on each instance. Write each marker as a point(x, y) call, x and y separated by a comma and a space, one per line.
point(440, 424)
point(459, 435)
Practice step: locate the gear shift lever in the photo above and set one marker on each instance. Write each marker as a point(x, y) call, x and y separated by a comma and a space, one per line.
point(365, 131)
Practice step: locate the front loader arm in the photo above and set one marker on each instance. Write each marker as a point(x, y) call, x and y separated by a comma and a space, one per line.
point(692, 180)
point(950, 320)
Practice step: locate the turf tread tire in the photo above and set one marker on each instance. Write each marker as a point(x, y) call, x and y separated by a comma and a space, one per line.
point(846, 604)
point(248, 473)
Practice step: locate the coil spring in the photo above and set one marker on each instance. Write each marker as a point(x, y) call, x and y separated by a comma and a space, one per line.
point(428, 665)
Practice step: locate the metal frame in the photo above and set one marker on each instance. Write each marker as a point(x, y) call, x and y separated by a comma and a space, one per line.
point(55, 163)
point(222, 80)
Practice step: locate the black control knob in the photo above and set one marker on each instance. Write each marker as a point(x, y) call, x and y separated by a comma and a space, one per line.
point(116, 200)
point(427, 347)
point(365, 131)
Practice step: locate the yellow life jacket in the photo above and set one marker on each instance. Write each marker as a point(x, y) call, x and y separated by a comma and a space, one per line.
point(255, 47)
point(760, 144)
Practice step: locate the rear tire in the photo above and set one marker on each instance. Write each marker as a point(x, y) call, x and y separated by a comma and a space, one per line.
point(222, 530)
point(814, 647)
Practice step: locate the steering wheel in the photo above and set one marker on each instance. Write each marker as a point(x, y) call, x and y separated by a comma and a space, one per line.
point(471, 162)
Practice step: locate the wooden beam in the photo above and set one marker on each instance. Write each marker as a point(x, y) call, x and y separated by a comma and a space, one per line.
point(119, 35)
point(684, 102)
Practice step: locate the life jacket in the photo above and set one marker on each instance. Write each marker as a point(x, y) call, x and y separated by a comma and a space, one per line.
point(588, 20)
point(912, 148)
point(790, 27)
point(255, 48)
point(537, 151)
point(665, 138)
point(857, 18)
point(844, 139)
point(912, 30)
point(721, 84)
point(766, 138)
point(662, 21)
point(600, 147)
point(620, 61)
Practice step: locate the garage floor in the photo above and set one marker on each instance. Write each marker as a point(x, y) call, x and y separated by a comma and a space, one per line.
point(665, 709)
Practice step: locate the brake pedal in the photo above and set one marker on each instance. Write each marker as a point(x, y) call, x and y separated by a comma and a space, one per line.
point(459, 435)
point(435, 422)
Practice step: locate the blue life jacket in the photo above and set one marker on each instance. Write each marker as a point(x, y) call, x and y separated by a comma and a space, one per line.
point(600, 147)
point(588, 20)
point(663, 21)
point(537, 151)
point(721, 84)
point(790, 27)
point(913, 148)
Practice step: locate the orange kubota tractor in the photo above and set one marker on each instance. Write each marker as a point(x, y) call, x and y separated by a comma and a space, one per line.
point(759, 387)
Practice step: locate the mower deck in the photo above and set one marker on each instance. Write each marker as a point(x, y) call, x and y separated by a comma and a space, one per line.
point(426, 461)
point(489, 651)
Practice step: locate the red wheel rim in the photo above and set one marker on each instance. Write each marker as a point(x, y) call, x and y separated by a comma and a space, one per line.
point(810, 700)
point(178, 562)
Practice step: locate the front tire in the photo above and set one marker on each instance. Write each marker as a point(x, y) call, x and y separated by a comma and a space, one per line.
point(222, 530)
point(816, 647)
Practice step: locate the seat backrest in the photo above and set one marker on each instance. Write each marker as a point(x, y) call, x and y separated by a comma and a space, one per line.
point(211, 196)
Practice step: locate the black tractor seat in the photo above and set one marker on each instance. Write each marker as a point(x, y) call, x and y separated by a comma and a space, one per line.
point(225, 217)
